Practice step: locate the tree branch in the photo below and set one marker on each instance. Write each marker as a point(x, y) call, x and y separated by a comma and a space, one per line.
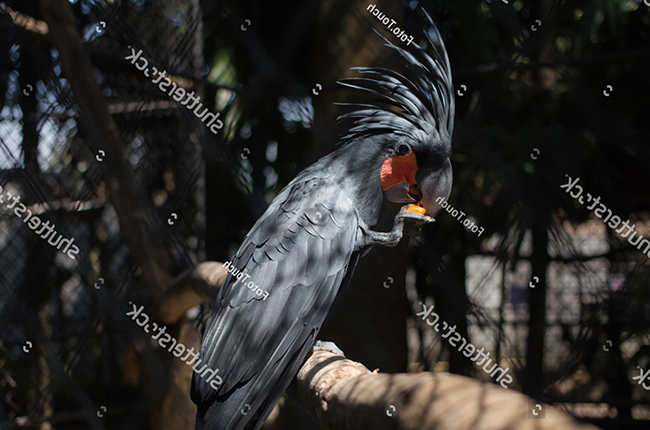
point(193, 287)
point(340, 394)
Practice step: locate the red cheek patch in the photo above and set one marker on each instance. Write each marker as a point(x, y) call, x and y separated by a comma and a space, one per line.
point(398, 169)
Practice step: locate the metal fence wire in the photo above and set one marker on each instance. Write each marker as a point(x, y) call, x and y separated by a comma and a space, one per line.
point(595, 319)
point(58, 310)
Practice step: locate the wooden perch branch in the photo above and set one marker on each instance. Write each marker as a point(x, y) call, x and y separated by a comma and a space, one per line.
point(193, 287)
point(340, 394)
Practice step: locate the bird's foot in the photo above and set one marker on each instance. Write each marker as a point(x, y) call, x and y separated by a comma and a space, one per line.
point(416, 217)
point(327, 346)
point(413, 220)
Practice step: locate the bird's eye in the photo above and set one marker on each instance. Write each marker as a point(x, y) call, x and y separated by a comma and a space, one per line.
point(403, 149)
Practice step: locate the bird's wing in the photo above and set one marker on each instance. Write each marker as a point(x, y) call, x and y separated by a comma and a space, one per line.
point(298, 252)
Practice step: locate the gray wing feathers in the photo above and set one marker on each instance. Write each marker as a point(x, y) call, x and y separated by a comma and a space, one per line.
point(298, 252)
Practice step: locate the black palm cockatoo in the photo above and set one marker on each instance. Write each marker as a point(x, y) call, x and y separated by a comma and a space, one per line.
point(299, 252)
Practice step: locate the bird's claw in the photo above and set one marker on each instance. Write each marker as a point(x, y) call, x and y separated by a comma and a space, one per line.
point(327, 346)
point(419, 219)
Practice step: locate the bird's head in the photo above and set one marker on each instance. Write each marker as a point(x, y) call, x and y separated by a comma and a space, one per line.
point(410, 123)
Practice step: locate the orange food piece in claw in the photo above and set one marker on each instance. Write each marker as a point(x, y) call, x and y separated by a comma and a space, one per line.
point(417, 209)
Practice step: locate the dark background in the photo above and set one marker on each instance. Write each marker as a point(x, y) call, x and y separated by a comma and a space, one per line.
point(545, 89)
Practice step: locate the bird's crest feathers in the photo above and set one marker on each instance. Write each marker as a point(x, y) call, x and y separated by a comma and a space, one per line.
point(424, 100)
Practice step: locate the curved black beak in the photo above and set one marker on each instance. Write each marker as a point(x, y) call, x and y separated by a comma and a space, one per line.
point(435, 186)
